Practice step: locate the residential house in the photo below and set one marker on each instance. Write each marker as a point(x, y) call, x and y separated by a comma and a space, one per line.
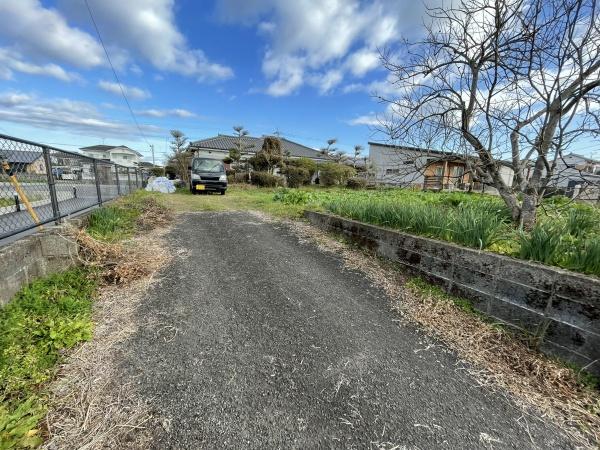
point(426, 169)
point(29, 162)
point(218, 147)
point(119, 154)
point(577, 176)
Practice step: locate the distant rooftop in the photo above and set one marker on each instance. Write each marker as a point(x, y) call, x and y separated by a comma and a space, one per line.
point(225, 142)
point(19, 157)
point(107, 148)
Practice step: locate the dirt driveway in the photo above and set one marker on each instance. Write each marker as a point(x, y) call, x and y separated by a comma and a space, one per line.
point(254, 338)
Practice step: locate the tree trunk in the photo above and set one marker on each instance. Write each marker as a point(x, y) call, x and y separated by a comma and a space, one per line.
point(513, 204)
point(528, 211)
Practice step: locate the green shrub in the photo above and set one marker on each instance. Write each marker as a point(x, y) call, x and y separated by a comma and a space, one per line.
point(542, 243)
point(158, 171)
point(297, 176)
point(585, 258)
point(305, 163)
point(112, 222)
point(265, 179)
point(239, 177)
point(293, 196)
point(356, 183)
point(474, 226)
point(581, 220)
point(42, 320)
point(334, 174)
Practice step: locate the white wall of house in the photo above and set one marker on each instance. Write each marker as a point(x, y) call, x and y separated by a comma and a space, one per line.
point(118, 155)
point(125, 157)
point(397, 167)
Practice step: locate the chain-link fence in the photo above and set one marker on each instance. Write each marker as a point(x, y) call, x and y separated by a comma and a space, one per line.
point(40, 184)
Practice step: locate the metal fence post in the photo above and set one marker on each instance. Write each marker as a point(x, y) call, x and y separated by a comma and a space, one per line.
point(129, 180)
point(98, 190)
point(118, 182)
point(51, 185)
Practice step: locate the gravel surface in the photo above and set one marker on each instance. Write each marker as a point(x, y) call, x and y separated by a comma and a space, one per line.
point(256, 339)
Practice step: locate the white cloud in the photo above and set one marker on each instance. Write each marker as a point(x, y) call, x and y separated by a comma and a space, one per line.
point(326, 82)
point(132, 92)
point(147, 28)
point(11, 61)
point(44, 33)
point(362, 61)
point(316, 36)
point(384, 87)
point(367, 119)
point(177, 112)
point(131, 29)
point(65, 114)
point(288, 71)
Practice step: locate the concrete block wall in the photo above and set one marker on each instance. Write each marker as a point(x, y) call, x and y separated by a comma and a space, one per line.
point(558, 308)
point(34, 256)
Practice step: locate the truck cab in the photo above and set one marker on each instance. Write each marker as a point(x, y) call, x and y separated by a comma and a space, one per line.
point(207, 175)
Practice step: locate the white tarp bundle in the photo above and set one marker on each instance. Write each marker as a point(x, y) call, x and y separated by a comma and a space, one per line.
point(160, 184)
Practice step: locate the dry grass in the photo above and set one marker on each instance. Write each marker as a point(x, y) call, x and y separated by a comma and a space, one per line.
point(495, 357)
point(89, 407)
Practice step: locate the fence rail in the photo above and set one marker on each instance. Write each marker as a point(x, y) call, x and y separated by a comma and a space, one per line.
point(40, 184)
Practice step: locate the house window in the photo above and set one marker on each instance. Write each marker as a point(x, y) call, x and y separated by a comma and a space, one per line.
point(408, 162)
point(392, 171)
point(439, 171)
point(458, 171)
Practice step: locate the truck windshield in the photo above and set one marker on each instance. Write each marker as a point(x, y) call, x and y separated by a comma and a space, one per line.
point(207, 165)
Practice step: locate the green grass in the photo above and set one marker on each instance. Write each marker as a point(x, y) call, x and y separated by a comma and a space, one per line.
point(118, 220)
point(11, 201)
point(239, 198)
point(44, 318)
point(567, 234)
point(433, 291)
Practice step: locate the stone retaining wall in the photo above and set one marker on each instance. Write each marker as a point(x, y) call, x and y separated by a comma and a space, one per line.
point(34, 256)
point(558, 307)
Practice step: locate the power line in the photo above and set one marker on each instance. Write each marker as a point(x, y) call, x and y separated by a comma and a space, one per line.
point(115, 73)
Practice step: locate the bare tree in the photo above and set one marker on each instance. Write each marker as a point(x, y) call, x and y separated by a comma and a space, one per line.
point(180, 156)
point(500, 83)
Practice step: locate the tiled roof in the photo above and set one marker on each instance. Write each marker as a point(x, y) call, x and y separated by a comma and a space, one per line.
point(226, 142)
point(19, 157)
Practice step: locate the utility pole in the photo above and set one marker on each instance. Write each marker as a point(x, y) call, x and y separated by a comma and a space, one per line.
point(152, 148)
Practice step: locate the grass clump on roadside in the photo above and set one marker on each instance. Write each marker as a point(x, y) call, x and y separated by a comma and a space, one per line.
point(43, 320)
point(120, 219)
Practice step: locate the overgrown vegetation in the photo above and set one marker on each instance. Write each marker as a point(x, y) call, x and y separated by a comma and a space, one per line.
point(43, 320)
point(54, 314)
point(567, 234)
point(266, 179)
point(121, 218)
point(334, 174)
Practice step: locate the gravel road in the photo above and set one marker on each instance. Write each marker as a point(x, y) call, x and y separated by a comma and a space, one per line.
point(256, 339)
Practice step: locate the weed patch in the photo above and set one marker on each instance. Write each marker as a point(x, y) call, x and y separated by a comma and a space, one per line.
point(43, 320)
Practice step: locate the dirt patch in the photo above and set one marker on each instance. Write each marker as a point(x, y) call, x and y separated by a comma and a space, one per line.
point(89, 406)
point(494, 357)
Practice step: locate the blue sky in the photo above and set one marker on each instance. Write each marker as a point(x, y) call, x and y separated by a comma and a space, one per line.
point(305, 68)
